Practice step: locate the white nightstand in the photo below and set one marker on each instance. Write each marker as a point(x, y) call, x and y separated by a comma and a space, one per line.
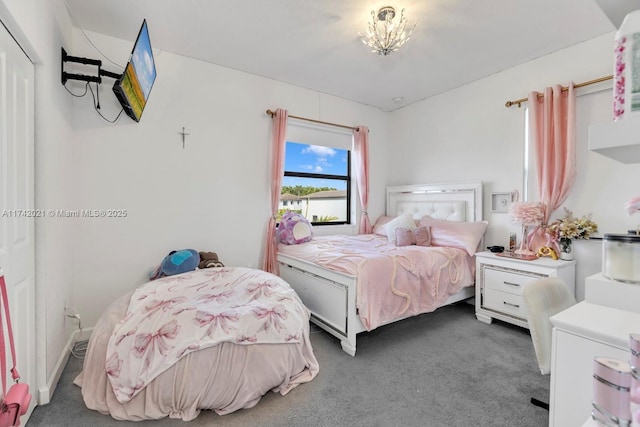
point(499, 282)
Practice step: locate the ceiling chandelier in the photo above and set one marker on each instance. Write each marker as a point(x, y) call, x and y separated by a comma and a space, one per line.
point(384, 36)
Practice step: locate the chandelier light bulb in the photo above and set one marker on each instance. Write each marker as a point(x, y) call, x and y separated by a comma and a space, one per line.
point(383, 35)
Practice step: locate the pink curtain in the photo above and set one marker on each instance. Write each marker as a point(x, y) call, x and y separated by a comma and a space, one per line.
point(270, 262)
point(361, 163)
point(552, 120)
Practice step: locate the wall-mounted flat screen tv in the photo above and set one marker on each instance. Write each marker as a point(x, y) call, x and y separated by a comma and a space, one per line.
point(133, 87)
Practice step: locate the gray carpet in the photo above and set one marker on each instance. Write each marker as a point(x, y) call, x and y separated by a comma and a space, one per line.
point(438, 369)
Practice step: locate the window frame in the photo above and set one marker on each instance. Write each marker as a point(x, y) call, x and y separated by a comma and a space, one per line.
point(346, 178)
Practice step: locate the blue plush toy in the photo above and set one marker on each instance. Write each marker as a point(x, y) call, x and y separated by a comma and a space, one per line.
point(180, 262)
point(176, 262)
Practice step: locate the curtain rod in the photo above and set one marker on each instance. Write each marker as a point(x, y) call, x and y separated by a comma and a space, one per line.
point(518, 102)
point(272, 113)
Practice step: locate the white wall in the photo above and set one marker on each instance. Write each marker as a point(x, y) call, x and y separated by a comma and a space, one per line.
point(467, 134)
point(178, 198)
point(174, 198)
point(329, 207)
point(42, 27)
point(213, 195)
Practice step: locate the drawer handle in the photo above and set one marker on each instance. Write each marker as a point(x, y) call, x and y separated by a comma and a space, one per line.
point(511, 284)
point(510, 304)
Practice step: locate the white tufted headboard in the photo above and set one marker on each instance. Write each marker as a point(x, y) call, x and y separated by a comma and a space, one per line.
point(451, 211)
point(450, 201)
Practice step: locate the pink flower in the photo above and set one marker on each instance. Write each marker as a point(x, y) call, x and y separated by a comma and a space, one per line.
point(528, 213)
point(633, 205)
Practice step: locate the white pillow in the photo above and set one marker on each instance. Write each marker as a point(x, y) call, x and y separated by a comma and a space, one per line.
point(405, 221)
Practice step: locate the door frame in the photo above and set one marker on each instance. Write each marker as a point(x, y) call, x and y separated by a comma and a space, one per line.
point(42, 394)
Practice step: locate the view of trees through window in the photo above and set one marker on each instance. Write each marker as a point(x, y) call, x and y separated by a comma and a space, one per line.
point(299, 190)
point(316, 183)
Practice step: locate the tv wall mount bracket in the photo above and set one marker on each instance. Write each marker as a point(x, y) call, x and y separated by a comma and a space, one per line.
point(64, 76)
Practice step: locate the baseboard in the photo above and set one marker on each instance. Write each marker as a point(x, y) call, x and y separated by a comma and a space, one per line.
point(46, 393)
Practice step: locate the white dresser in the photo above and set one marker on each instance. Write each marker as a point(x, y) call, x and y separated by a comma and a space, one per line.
point(598, 326)
point(499, 283)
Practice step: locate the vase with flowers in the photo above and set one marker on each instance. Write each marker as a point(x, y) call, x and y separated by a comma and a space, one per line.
point(633, 207)
point(528, 214)
point(568, 228)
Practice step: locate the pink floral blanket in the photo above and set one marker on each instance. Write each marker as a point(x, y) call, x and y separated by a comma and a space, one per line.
point(173, 316)
point(392, 282)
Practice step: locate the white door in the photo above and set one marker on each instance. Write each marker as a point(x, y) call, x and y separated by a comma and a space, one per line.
point(17, 203)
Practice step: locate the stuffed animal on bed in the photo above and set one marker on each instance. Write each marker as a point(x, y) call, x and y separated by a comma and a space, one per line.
point(180, 262)
point(175, 263)
point(294, 229)
point(208, 260)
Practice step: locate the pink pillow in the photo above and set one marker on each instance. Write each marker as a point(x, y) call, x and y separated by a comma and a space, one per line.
point(405, 221)
point(405, 237)
point(463, 235)
point(423, 236)
point(419, 236)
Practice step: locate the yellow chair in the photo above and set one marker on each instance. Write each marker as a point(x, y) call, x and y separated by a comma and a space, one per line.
point(544, 298)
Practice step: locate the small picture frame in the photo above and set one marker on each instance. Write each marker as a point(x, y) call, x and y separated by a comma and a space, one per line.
point(500, 202)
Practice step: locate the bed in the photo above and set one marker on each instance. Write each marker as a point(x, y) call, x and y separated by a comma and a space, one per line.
point(216, 338)
point(336, 276)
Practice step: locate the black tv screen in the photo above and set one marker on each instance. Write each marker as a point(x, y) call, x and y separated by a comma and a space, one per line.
point(133, 87)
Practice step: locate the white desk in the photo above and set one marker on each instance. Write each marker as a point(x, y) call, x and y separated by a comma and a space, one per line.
point(600, 290)
point(581, 333)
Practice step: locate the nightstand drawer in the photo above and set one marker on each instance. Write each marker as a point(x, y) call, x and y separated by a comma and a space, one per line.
point(500, 281)
point(505, 281)
point(505, 302)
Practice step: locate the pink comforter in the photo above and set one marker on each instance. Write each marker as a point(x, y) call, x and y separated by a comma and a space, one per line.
point(238, 333)
point(393, 282)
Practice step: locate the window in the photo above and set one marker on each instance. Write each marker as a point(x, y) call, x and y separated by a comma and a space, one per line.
point(528, 178)
point(530, 190)
point(317, 175)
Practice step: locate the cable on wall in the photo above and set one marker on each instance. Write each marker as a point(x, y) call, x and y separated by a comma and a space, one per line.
point(75, 24)
point(79, 348)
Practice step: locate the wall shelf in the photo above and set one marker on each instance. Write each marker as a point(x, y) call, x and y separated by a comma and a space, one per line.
point(618, 140)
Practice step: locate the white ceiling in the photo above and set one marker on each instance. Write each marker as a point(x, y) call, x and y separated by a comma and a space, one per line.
point(314, 43)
